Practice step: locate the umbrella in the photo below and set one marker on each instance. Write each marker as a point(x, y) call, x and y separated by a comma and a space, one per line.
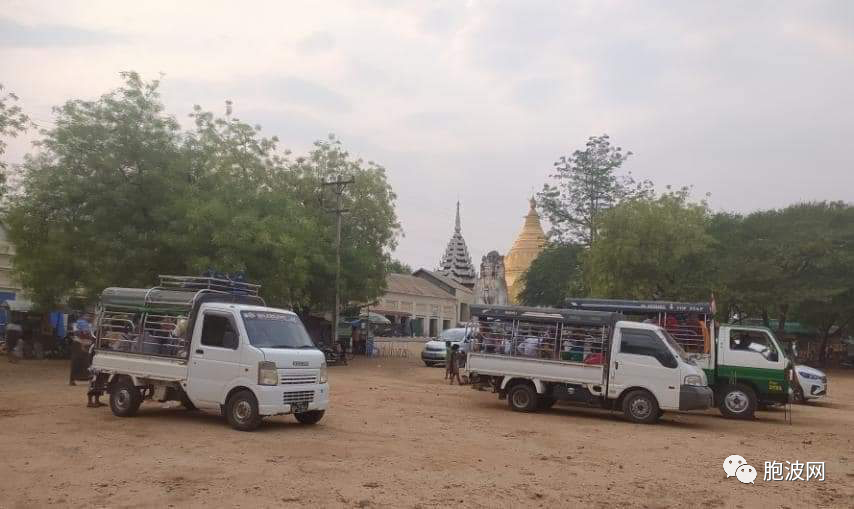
point(375, 318)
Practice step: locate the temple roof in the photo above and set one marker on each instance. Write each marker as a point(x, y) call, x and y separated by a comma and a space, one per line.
point(456, 262)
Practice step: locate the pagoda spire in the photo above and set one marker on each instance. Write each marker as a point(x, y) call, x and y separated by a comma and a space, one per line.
point(457, 224)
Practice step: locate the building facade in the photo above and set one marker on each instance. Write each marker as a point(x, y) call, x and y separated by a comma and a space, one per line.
point(416, 306)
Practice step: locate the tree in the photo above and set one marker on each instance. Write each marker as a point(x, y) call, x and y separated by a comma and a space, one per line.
point(120, 194)
point(652, 248)
point(13, 121)
point(587, 184)
point(395, 266)
point(553, 276)
point(775, 262)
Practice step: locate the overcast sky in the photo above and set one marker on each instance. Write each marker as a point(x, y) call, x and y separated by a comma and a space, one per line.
point(748, 101)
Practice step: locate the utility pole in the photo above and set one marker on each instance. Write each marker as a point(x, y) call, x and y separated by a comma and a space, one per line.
point(338, 186)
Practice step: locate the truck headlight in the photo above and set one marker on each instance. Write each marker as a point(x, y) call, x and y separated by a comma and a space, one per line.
point(267, 373)
point(323, 376)
point(693, 380)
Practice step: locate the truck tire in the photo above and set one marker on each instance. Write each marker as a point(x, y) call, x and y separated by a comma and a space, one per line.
point(125, 398)
point(241, 411)
point(522, 398)
point(738, 402)
point(641, 407)
point(312, 417)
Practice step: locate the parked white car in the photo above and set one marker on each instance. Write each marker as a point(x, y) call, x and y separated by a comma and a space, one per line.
point(812, 383)
point(434, 351)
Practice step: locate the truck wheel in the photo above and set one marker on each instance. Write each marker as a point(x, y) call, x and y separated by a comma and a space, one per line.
point(738, 402)
point(546, 402)
point(522, 398)
point(125, 398)
point(641, 407)
point(312, 417)
point(241, 411)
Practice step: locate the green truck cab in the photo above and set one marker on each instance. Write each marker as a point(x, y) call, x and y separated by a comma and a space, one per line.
point(745, 365)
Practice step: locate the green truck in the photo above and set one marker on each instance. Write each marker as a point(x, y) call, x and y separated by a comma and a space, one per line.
point(745, 365)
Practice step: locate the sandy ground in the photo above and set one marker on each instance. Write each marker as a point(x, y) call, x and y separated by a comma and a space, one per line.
point(397, 436)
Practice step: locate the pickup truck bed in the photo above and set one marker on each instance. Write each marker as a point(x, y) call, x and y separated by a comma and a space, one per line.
point(526, 367)
point(141, 365)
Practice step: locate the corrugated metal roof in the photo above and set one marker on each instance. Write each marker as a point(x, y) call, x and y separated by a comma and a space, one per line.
point(412, 285)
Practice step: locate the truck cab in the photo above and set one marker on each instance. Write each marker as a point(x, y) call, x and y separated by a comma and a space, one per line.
point(210, 346)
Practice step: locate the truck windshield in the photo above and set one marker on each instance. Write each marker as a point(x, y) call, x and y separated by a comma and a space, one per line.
point(676, 347)
point(275, 330)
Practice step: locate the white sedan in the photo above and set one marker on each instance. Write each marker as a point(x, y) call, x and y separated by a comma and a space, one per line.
point(434, 351)
point(812, 383)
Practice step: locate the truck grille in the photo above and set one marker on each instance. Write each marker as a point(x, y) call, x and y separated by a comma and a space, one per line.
point(290, 398)
point(297, 379)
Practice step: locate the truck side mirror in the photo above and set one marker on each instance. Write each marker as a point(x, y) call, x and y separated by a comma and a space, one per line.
point(773, 357)
point(229, 340)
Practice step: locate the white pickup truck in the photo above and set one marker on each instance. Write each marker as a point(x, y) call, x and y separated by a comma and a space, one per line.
point(535, 357)
point(210, 344)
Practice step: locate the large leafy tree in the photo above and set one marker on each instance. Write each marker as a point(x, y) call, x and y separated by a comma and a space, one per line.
point(120, 193)
point(553, 276)
point(587, 183)
point(785, 262)
point(652, 248)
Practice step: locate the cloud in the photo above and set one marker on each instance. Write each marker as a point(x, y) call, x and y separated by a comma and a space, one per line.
point(318, 42)
point(16, 35)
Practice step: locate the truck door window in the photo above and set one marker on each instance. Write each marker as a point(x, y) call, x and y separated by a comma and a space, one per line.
point(644, 342)
point(218, 331)
point(757, 342)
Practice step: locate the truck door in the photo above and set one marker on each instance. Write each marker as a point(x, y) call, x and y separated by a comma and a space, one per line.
point(214, 358)
point(753, 356)
point(641, 359)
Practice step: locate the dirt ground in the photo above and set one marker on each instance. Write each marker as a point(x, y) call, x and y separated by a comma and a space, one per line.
point(397, 436)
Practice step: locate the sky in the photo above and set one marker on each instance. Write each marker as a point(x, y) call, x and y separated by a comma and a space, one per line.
point(750, 102)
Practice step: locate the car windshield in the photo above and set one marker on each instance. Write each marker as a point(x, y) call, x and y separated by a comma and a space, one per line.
point(678, 348)
point(275, 330)
point(453, 335)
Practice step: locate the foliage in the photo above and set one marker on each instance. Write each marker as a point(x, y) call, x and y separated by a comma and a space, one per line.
point(652, 248)
point(395, 266)
point(13, 121)
point(120, 194)
point(553, 276)
point(587, 184)
point(781, 261)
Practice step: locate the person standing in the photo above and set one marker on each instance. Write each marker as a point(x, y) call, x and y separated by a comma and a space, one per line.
point(453, 363)
point(14, 333)
point(81, 340)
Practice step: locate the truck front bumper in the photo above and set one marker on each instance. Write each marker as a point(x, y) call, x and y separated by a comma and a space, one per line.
point(695, 397)
point(278, 400)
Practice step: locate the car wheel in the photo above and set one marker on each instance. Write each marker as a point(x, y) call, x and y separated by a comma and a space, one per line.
point(242, 411)
point(522, 398)
point(312, 417)
point(641, 407)
point(738, 402)
point(429, 364)
point(125, 398)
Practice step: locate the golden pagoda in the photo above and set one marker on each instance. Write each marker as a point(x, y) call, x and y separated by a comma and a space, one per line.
point(527, 246)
